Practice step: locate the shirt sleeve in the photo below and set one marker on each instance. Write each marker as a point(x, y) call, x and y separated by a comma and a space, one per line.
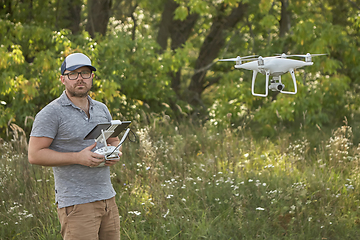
point(46, 123)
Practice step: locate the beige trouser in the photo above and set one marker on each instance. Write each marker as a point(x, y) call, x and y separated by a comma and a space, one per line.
point(90, 221)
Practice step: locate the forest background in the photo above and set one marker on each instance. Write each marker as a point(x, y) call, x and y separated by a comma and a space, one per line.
point(157, 65)
point(161, 57)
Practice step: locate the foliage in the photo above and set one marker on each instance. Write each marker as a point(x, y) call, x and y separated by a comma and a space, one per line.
point(30, 68)
point(135, 75)
point(324, 96)
point(131, 75)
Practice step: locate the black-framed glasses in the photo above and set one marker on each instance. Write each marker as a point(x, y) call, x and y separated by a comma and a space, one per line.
point(75, 75)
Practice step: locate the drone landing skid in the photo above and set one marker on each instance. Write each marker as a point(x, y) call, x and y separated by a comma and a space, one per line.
point(294, 82)
point(253, 84)
point(275, 84)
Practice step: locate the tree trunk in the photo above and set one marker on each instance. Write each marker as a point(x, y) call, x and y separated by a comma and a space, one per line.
point(285, 21)
point(178, 31)
point(179, 34)
point(74, 16)
point(166, 24)
point(98, 16)
point(210, 49)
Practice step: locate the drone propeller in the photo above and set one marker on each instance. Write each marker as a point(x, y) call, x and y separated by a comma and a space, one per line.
point(300, 55)
point(238, 59)
point(229, 59)
point(307, 55)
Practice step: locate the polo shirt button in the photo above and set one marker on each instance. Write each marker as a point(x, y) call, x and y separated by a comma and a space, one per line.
point(86, 119)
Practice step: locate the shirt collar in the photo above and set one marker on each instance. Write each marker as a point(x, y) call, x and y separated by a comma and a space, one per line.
point(65, 101)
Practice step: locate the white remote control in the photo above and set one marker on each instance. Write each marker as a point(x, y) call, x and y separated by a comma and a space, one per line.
point(111, 152)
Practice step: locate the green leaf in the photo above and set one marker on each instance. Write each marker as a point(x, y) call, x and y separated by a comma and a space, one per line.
point(181, 13)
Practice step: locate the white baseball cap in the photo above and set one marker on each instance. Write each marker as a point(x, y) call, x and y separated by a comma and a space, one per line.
point(75, 61)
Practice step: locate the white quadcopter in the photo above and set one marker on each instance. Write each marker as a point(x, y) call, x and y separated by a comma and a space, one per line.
point(274, 66)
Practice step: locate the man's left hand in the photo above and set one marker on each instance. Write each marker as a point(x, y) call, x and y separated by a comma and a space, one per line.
point(113, 161)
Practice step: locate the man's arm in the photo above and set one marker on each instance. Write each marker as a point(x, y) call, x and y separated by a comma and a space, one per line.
point(40, 154)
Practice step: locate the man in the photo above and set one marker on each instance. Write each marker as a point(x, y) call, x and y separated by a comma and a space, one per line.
point(83, 192)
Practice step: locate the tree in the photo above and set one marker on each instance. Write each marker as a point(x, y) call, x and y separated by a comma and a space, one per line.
point(178, 31)
point(161, 53)
point(98, 16)
point(285, 20)
point(212, 46)
point(71, 16)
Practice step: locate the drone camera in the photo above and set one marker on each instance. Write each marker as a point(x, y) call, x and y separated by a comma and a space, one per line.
point(276, 86)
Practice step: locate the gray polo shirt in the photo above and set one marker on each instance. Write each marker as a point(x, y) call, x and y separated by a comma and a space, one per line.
point(67, 125)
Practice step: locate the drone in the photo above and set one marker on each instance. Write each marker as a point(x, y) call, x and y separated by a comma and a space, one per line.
point(274, 66)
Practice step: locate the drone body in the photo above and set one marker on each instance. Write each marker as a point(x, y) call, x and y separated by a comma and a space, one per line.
point(273, 66)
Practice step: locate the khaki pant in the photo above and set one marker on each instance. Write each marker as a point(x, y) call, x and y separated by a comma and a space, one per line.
point(90, 221)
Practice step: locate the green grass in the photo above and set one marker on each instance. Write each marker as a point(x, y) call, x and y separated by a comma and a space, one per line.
point(187, 182)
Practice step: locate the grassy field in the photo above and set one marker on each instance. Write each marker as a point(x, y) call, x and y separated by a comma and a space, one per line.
point(186, 182)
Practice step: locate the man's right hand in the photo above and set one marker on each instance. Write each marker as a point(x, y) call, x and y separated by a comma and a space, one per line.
point(89, 158)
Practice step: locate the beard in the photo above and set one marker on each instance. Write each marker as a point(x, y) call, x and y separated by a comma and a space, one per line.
point(80, 93)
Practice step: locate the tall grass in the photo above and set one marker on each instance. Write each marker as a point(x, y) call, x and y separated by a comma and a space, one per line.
point(187, 182)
